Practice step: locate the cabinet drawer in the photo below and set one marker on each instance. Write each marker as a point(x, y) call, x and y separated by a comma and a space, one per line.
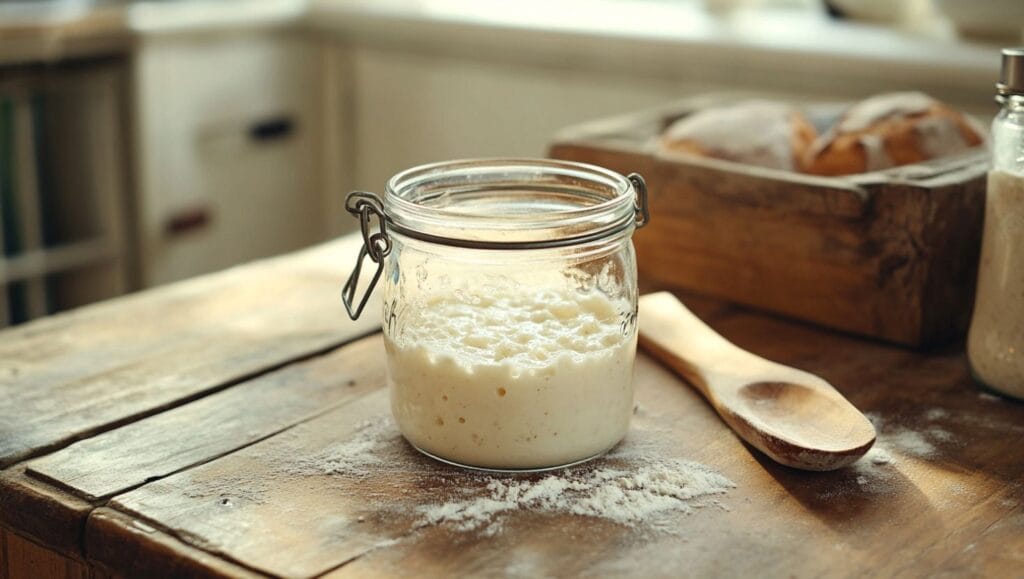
point(229, 156)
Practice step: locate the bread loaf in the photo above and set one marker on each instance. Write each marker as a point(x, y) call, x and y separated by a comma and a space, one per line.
point(762, 133)
point(889, 130)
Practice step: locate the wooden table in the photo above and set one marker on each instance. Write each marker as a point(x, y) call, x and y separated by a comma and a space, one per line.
point(157, 435)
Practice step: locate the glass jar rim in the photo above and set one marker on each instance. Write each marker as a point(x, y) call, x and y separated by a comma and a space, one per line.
point(604, 208)
point(507, 202)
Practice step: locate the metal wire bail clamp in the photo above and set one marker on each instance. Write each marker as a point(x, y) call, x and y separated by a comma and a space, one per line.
point(643, 213)
point(376, 245)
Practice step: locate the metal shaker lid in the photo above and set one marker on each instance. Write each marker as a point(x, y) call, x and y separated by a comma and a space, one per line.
point(1011, 80)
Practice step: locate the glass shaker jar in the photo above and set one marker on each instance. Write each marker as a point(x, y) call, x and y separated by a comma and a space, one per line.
point(510, 307)
point(995, 343)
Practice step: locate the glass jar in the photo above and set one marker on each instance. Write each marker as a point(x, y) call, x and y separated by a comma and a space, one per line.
point(995, 343)
point(510, 307)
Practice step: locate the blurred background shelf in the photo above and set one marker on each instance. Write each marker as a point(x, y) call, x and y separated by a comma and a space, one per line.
point(36, 263)
point(62, 187)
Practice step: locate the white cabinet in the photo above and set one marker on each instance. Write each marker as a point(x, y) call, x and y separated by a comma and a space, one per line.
point(228, 134)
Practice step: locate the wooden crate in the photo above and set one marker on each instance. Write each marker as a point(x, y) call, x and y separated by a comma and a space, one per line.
point(889, 254)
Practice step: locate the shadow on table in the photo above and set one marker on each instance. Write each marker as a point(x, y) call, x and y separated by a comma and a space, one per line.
point(858, 498)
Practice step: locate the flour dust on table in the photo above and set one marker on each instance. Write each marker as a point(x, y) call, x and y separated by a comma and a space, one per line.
point(877, 473)
point(922, 443)
point(636, 485)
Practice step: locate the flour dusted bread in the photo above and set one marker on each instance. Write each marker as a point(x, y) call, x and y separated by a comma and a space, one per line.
point(880, 132)
point(889, 130)
point(762, 133)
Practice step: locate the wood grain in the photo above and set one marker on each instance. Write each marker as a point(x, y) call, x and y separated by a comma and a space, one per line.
point(259, 506)
point(907, 518)
point(41, 512)
point(83, 474)
point(73, 375)
point(152, 448)
point(23, 559)
point(139, 550)
point(891, 256)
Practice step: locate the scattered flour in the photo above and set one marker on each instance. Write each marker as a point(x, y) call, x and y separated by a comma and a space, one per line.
point(911, 442)
point(628, 494)
point(351, 457)
point(878, 456)
point(958, 489)
point(923, 443)
point(941, 435)
point(989, 397)
point(876, 473)
point(634, 485)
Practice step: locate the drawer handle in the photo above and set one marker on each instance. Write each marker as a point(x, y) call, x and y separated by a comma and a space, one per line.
point(187, 220)
point(272, 129)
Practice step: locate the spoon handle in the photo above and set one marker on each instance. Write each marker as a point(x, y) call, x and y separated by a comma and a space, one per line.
point(677, 337)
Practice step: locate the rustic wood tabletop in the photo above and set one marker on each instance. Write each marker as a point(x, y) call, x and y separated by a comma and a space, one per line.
point(237, 425)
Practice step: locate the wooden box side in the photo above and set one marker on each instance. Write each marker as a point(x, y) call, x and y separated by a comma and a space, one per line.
point(944, 219)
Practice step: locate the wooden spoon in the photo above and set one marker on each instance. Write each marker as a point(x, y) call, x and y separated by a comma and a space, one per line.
point(793, 416)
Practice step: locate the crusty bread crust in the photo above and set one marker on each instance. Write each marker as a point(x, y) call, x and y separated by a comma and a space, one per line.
point(896, 139)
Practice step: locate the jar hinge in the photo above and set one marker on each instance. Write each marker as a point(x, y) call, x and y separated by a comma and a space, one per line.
point(376, 245)
point(643, 213)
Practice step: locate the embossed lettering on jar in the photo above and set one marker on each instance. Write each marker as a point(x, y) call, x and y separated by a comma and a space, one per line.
point(510, 301)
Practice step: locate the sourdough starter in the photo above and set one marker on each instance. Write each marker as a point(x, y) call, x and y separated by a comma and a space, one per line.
point(995, 345)
point(514, 381)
